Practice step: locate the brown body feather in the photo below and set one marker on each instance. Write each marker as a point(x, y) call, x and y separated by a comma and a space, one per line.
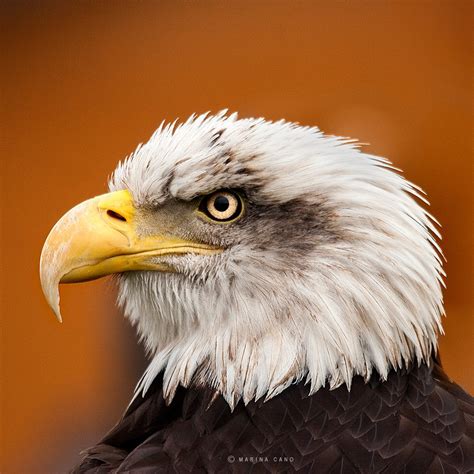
point(417, 421)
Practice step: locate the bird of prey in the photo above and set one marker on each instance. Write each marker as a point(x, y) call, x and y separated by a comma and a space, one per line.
point(287, 287)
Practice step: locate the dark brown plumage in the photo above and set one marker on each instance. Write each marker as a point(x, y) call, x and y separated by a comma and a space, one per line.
point(417, 421)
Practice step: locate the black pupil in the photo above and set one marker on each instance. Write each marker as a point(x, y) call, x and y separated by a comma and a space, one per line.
point(221, 203)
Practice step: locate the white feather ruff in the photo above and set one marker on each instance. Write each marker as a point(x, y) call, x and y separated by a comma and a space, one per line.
point(369, 301)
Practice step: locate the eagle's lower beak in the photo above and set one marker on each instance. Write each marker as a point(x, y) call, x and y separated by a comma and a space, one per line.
point(99, 237)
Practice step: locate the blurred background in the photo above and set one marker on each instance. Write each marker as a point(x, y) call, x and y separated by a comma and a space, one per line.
point(84, 82)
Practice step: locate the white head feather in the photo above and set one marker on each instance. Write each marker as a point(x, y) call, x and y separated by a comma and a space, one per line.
point(338, 274)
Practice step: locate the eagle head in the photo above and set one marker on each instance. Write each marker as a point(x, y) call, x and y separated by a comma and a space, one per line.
point(253, 254)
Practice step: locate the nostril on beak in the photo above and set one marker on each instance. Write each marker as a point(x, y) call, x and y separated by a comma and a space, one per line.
point(116, 215)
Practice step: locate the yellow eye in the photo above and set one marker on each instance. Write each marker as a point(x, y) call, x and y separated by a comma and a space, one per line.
point(222, 206)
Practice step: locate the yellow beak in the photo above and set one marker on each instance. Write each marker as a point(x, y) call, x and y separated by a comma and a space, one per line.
point(99, 237)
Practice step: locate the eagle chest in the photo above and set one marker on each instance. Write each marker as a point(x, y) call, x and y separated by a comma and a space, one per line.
point(415, 422)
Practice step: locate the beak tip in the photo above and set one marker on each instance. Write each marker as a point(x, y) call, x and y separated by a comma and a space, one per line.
point(51, 293)
point(55, 307)
point(50, 278)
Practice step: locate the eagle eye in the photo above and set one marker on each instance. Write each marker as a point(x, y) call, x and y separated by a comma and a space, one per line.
point(222, 206)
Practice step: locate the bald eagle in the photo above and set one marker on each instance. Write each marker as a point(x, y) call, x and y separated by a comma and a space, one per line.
point(287, 287)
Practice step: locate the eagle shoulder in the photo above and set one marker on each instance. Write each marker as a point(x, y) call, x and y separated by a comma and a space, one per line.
point(415, 421)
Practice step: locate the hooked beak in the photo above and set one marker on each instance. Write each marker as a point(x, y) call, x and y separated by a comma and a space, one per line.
point(99, 237)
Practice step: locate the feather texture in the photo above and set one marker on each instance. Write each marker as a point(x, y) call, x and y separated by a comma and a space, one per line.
point(333, 272)
point(417, 421)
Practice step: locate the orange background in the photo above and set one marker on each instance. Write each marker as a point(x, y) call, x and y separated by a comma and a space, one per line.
point(84, 82)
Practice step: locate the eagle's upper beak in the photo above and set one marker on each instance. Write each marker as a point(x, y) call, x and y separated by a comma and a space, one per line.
point(99, 237)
